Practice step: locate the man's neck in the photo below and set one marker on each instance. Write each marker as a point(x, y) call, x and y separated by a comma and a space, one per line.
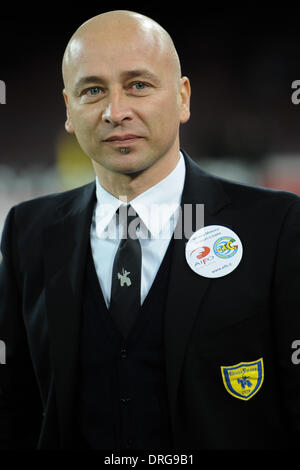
point(129, 186)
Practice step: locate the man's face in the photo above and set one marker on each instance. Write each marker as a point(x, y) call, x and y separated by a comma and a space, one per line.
point(124, 100)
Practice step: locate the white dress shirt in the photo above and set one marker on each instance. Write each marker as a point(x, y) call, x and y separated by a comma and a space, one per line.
point(158, 210)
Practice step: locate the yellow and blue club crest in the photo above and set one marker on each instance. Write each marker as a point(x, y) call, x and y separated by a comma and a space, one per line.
point(243, 380)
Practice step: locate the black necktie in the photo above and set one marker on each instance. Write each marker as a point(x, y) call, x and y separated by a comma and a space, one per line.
point(125, 298)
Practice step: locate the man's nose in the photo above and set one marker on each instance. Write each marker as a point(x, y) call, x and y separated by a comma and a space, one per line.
point(117, 109)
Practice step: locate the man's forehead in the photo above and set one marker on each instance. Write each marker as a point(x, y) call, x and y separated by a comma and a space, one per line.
point(93, 57)
point(113, 44)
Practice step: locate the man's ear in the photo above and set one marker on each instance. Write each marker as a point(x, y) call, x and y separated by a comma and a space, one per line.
point(68, 124)
point(185, 95)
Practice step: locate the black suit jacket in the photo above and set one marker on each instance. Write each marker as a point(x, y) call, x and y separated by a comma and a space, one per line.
point(249, 314)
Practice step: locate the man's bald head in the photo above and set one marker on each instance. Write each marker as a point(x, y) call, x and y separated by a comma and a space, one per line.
point(122, 25)
point(123, 89)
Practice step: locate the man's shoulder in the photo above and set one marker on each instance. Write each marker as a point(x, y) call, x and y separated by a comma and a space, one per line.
point(47, 207)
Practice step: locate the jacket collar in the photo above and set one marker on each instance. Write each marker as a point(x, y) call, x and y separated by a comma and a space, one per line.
point(202, 188)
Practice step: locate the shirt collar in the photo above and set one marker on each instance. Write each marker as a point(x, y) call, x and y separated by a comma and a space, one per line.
point(155, 206)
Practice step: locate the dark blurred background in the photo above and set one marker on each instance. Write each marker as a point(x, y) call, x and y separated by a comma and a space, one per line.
point(241, 63)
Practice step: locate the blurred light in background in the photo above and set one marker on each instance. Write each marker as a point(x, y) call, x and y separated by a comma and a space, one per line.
point(72, 164)
point(281, 171)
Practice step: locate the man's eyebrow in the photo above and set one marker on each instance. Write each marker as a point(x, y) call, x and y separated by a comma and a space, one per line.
point(144, 73)
point(86, 81)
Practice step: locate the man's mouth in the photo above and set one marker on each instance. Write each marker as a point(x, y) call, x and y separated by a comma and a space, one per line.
point(123, 140)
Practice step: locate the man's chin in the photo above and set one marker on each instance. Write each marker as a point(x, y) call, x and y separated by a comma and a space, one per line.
point(128, 163)
point(132, 170)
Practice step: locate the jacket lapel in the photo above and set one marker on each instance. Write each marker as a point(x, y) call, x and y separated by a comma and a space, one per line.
point(65, 245)
point(186, 288)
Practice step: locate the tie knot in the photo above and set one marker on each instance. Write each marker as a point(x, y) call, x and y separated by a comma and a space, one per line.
point(129, 221)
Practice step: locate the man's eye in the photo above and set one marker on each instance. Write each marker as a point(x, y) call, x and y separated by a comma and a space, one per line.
point(93, 91)
point(140, 85)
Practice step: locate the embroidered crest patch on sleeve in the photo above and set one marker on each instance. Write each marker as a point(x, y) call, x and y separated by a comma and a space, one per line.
point(243, 380)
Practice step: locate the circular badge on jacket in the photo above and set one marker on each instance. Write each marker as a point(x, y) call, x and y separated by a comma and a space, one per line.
point(214, 251)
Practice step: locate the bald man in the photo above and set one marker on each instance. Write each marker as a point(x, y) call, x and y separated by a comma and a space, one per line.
point(121, 330)
point(122, 78)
